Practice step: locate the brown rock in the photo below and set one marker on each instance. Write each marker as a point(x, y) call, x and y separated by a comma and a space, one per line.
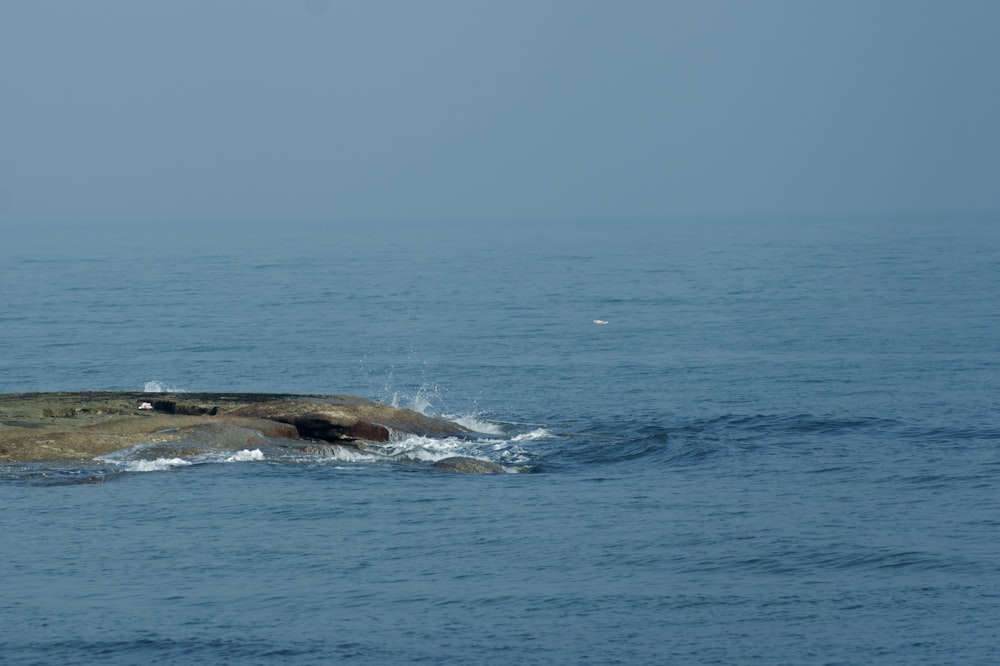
point(336, 421)
point(101, 422)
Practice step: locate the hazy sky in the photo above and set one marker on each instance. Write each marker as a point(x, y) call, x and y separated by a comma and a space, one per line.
point(203, 110)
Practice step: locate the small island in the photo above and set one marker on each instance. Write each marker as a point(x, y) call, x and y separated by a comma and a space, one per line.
point(83, 425)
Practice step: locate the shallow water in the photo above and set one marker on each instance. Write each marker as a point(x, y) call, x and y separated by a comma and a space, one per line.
point(782, 448)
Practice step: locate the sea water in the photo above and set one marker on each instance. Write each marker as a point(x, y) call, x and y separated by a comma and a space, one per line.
point(783, 447)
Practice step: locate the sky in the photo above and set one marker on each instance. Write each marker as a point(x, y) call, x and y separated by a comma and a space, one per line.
point(200, 111)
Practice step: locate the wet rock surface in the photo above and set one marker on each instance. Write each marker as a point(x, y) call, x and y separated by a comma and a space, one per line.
point(336, 421)
point(466, 465)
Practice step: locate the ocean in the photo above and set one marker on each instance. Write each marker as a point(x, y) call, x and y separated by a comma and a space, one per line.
point(742, 442)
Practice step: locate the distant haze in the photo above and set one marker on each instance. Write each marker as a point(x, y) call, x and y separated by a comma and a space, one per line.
point(116, 110)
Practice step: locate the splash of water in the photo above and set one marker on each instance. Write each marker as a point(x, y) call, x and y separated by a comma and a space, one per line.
point(156, 386)
point(246, 456)
point(421, 402)
point(158, 465)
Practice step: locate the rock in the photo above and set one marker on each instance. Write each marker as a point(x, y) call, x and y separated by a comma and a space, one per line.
point(174, 407)
point(330, 450)
point(96, 423)
point(336, 427)
point(236, 433)
point(465, 465)
point(65, 413)
point(341, 421)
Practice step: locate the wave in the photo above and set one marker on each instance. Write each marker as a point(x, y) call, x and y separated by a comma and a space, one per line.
point(148, 458)
point(154, 648)
point(815, 559)
point(952, 434)
point(246, 456)
point(683, 442)
point(517, 447)
point(786, 424)
point(157, 465)
point(533, 436)
point(162, 464)
point(477, 424)
point(156, 386)
point(652, 445)
point(511, 446)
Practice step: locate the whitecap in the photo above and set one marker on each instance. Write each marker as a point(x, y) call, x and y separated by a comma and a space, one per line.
point(246, 456)
point(534, 435)
point(156, 386)
point(345, 454)
point(158, 465)
point(477, 425)
point(420, 449)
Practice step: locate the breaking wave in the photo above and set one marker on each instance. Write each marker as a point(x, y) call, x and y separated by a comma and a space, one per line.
point(156, 386)
point(157, 465)
point(514, 447)
point(136, 458)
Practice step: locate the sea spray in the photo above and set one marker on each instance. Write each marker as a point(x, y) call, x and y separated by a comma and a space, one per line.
point(246, 456)
point(158, 465)
point(156, 386)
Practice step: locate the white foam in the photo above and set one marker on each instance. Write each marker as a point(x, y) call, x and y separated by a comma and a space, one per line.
point(157, 465)
point(336, 453)
point(477, 425)
point(534, 435)
point(346, 454)
point(425, 455)
point(246, 456)
point(420, 449)
point(513, 456)
point(156, 386)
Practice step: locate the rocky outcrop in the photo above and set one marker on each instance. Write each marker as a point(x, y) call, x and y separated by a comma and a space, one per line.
point(46, 426)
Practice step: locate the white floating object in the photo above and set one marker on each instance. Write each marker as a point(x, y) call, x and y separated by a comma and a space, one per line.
point(601, 321)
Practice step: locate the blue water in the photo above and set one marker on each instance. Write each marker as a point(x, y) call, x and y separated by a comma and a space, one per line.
point(782, 448)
